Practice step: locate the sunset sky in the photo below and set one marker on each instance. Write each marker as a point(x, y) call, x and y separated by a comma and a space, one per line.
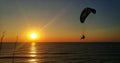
point(58, 20)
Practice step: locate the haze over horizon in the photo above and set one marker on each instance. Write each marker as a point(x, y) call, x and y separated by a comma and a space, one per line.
point(58, 20)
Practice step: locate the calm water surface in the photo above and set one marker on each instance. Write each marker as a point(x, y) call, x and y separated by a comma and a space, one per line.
point(61, 53)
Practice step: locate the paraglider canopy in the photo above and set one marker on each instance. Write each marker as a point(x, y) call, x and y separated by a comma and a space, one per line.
point(86, 11)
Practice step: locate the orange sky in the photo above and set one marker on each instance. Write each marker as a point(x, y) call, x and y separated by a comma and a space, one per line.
point(58, 21)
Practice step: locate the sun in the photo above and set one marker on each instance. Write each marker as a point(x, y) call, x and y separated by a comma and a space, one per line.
point(33, 35)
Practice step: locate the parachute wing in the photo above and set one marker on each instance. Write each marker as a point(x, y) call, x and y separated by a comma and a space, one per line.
point(85, 13)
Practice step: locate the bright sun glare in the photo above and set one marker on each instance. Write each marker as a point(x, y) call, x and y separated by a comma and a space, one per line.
point(33, 35)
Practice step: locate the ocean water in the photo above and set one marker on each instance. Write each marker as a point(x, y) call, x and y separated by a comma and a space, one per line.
point(107, 52)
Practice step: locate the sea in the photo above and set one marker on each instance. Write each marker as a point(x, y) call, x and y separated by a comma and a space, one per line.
point(60, 52)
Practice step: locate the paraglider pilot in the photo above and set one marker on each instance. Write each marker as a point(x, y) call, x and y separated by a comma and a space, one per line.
point(83, 37)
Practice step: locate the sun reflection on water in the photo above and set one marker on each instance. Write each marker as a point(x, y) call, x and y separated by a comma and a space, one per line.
point(33, 53)
point(33, 60)
point(33, 48)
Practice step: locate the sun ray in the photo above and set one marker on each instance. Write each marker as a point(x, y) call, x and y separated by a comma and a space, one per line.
point(63, 11)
